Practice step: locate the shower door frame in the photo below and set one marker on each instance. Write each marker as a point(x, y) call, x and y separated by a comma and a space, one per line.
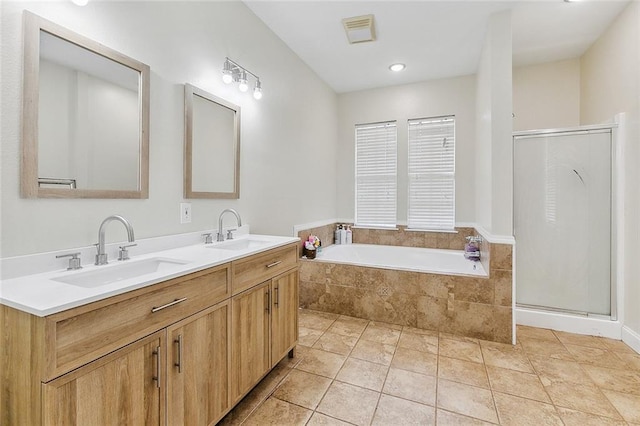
point(616, 157)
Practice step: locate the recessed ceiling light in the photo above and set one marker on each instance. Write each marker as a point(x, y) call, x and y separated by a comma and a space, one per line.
point(397, 67)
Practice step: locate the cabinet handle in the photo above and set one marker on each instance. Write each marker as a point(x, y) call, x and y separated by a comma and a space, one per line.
point(277, 296)
point(156, 378)
point(271, 265)
point(178, 363)
point(268, 300)
point(175, 302)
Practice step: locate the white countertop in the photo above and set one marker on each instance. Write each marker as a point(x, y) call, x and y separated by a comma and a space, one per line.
point(40, 294)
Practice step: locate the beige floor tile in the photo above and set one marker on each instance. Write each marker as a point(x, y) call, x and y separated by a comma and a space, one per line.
point(419, 342)
point(558, 371)
point(319, 362)
point(398, 411)
point(467, 400)
point(319, 419)
point(381, 333)
point(517, 411)
point(632, 360)
point(535, 333)
point(466, 350)
point(315, 320)
point(618, 346)
point(628, 405)
point(350, 403)
point(580, 340)
point(304, 389)
point(596, 356)
point(337, 343)
point(308, 336)
point(517, 383)
point(276, 412)
point(373, 351)
point(409, 385)
point(505, 356)
point(548, 348)
point(415, 330)
point(457, 370)
point(363, 373)
point(348, 327)
point(447, 418)
point(459, 338)
point(589, 399)
point(579, 418)
point(626, 381)
point(416, 361)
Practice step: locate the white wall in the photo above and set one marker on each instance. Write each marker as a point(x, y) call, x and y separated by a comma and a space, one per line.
point(547, 96)
point(428, 99)
point(288, 138)
point(610, 85)
point(494, 162)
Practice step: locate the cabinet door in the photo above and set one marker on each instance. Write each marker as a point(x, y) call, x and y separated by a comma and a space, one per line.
point(249, 339)
point(122, 388)
point(198, 367)
point(284, 315)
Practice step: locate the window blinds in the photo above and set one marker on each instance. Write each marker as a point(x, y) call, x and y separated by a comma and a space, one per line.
point(432, 173)
point(376, 170)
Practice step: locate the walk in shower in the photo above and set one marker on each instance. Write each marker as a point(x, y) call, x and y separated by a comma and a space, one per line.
point(563, 221)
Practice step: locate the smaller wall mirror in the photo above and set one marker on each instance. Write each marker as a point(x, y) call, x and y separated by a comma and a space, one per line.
point(85, 117)
point(212, 146)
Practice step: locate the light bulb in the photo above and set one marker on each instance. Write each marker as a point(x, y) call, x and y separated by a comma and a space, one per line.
point(257, 91)
point(243, 86)
point(227, 73)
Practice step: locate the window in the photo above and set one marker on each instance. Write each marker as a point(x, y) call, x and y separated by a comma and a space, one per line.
point(432, 173)
point(376, 170)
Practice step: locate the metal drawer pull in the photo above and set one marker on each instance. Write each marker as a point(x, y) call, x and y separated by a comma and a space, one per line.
point(179, 362)
point(271, 265)
point(268, 300)
point(156, 378)
point(175, 302)
point(277, 291)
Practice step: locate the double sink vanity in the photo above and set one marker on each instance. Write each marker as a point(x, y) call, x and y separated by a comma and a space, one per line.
point(175, 336)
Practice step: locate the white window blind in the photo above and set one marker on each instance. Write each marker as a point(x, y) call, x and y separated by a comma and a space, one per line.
point(432, 173)
point(376, 171)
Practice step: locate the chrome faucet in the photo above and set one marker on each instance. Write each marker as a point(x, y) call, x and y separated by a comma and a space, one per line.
point(220, 235)
point(101, 257)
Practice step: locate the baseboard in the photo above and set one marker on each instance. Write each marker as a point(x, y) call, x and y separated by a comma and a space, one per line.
point(570, 323)
point(631, 338)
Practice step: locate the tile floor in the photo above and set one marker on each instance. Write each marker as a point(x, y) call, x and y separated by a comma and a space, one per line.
point(352, 371)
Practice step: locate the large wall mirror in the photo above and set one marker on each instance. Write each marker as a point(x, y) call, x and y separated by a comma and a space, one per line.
point(85, 117)
point(212, 146)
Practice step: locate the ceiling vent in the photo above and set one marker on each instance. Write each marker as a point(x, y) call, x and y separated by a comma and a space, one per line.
point(359, 29)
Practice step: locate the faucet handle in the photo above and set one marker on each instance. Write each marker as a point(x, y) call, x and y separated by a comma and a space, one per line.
point(74, 262)
point(230, 233)
point(123, 254)
point(208, 239)
point(220, 236)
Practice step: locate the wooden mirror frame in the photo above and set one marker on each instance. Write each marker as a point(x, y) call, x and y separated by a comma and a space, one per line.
point(33, 25)
point(189, 92)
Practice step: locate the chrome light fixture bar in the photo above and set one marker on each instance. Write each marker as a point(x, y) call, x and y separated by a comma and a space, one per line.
point(234, 72)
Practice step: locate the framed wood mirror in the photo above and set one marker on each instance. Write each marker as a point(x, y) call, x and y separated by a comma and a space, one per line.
point(212, 146)
point(85, 130)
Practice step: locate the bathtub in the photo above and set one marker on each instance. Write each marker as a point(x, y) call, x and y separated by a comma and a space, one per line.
point(435, 261)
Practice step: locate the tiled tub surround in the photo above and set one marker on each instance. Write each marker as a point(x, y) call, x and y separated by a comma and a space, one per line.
point(469, 306)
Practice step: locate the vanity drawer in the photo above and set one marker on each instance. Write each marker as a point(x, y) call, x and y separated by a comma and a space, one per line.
point(82, 334)
point(263, 266)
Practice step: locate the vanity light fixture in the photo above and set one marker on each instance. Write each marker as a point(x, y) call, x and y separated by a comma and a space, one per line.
point(397, 67)
point(234, 72)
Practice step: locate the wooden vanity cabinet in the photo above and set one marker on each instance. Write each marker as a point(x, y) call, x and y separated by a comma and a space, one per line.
point(264, 329)
point(180, 352)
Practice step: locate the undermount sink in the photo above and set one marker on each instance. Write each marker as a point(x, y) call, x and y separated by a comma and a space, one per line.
point(110, 274)
point(246, 244)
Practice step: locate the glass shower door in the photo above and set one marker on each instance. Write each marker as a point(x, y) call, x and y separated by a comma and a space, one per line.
point(562, 221)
